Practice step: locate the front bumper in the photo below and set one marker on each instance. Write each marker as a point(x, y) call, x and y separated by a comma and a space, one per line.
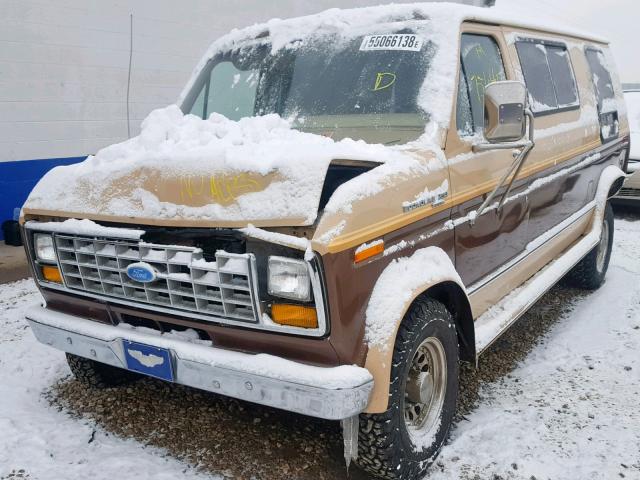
point(332, 393)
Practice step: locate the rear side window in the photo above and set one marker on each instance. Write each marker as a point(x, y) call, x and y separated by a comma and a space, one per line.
point(549, 76)
point(605, 95)
point(601, 80)
point(480, 64)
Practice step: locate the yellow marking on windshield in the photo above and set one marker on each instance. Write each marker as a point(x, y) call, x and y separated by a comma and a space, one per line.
point(384, 80)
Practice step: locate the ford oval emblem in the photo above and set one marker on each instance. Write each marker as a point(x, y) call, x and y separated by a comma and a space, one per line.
point(141, 272)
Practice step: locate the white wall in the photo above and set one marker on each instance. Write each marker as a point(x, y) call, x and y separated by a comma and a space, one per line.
point(63, 64)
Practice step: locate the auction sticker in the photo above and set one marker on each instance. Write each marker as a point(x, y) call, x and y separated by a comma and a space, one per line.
point(398, 41)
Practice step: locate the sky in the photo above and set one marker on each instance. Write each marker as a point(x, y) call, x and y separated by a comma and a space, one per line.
point(617, 20)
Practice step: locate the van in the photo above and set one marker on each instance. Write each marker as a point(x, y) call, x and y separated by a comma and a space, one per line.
point(629, 194)
point(339, 210)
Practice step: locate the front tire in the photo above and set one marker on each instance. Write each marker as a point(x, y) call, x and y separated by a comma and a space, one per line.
point(590, 273)
point(402, 442)
point(99, 375)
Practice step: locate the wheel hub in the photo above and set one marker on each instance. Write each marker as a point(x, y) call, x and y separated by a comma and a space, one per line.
point(420, 387)
point(425, 388)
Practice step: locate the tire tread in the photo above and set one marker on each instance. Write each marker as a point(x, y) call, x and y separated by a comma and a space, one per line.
point(585, 274)
point(378, 440)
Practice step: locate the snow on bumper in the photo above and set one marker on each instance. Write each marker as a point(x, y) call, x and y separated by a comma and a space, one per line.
point(326, 392)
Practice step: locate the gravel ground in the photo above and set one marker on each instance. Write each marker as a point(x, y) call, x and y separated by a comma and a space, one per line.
point(242, 440)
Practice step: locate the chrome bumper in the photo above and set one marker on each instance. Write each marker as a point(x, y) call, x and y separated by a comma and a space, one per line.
point(332, 393)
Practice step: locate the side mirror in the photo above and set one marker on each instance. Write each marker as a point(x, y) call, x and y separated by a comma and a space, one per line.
point(504, 111)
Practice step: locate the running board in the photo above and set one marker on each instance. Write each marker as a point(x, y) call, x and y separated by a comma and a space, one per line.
point(495, 321)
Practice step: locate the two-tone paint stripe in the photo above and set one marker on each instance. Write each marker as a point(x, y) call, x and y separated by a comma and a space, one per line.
point(401, 220)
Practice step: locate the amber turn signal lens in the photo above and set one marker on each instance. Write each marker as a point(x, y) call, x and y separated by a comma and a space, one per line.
point(368, 252)
point(294, 315)
point(51, 274)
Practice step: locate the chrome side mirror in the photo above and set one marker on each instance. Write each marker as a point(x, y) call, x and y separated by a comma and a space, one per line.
point(504, 111)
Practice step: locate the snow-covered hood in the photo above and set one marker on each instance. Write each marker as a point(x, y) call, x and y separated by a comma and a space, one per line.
point(182, 170)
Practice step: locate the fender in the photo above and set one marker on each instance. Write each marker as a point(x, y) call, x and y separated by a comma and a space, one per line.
point(610, 183)
point(401, 282)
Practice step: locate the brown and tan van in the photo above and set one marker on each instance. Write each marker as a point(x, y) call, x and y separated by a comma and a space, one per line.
point(341, 208)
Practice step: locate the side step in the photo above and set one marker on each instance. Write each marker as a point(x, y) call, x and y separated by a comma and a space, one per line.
point(495, 321)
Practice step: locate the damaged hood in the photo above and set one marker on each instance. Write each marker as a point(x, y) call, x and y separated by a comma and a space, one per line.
point(185, 171)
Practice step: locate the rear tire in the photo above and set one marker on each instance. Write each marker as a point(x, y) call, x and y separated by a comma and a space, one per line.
point(590, 273)
point(99, 375)
point(403, 442)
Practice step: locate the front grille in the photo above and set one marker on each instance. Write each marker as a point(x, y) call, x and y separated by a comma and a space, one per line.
point(185, 281)
point(629, 192)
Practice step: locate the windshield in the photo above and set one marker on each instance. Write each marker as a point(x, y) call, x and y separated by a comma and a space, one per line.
point(365, 88)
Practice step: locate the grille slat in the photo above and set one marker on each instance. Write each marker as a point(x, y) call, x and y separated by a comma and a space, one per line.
point(629, 192)
point(185, 281)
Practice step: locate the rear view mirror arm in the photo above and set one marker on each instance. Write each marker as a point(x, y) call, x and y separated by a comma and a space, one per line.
point(522, 157)
point(515, 168)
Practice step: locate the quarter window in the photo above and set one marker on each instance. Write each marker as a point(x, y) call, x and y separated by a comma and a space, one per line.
point(481, 64)
point(605, 94)
point(548, 75)
point(601, 80)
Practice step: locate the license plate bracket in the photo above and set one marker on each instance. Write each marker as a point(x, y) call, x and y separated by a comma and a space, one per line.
point(148, 360)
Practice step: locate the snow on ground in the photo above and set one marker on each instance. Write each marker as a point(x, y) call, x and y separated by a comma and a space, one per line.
point(48, 444)
point(569, 411)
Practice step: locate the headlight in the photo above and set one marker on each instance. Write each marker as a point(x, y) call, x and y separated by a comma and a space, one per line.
point(43, 245)
point(289, 278)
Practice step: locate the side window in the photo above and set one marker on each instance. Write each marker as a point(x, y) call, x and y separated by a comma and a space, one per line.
point(562, 74)
point(549, 76)
point(601, 80)
point(229, 91)
point(605, 94)
point(481, 64)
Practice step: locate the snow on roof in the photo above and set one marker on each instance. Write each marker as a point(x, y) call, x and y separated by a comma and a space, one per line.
point(439, 22)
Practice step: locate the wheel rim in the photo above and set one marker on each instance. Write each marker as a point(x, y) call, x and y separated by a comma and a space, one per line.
point(603, 247)
point(425, 391)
